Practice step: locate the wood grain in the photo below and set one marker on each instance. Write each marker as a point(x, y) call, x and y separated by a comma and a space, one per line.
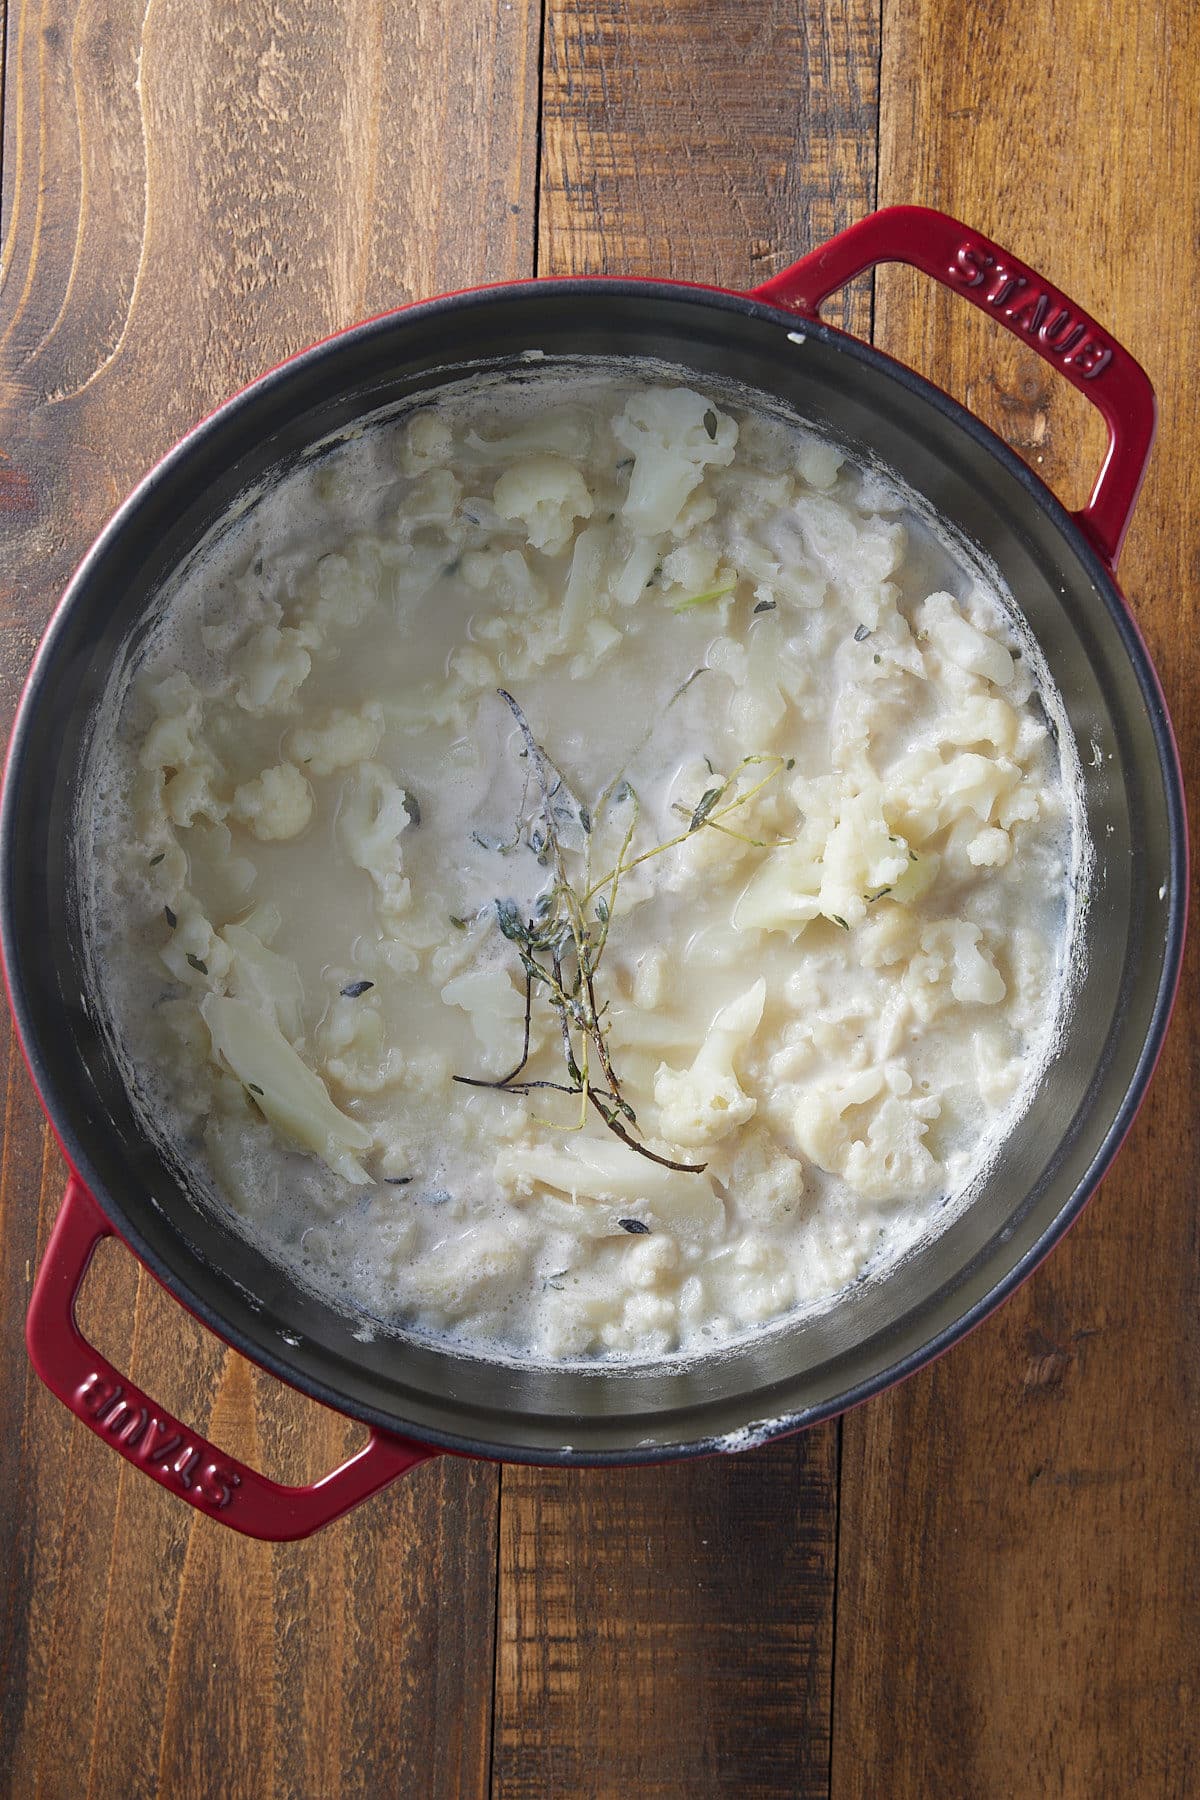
point(188, 194)
point(669, 1632)
point(1016, 1608)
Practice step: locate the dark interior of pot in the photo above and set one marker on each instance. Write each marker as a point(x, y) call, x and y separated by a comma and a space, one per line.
point(878, 1329)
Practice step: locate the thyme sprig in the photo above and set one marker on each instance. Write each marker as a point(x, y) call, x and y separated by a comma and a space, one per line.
point(560, 941)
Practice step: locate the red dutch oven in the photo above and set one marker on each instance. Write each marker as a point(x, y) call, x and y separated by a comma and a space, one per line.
point(418, 1398)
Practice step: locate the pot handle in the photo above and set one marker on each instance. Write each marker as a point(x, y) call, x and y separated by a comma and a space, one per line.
point(149, 1437)
point(1028, 306)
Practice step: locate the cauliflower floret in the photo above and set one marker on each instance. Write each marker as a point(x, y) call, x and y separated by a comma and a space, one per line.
point(353, 1045)
point(507, 579)
point(930, 794)
point(975, 976)
point(347, 587)
point(288, 1093)
point(982, 719)
point(426, 443)
point(189, 794)
point(496, 1011)
point(966, 647)
point(648, 1259)
point(271, 982)
point(547, 495)
point(430, 501)
point(270, 668)
point(837, 867)
point(193, 953)
point(766, 1184)
point(861, 857)
point(705, 1103)
point(819, 464)
point(952, 964)
point(759, 1284)
point(342, 739)
point(277, 804)
point(170, 741)
point(889, 1160)
point(648, 1323)
point(603, 1170)
point(892, 1163)
point(221, 880)
point(674, 434)
point(174, 750)
point(858, 554)
point(989, 848)
point(692, 568)
point(375, 812)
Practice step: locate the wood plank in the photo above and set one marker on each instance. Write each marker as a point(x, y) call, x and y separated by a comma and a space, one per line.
point(1020, 1522)
point(190, 193)
point(669, 1631)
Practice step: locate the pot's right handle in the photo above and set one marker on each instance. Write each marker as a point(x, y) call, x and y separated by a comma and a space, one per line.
point(1023, 301)
point(149, 1437)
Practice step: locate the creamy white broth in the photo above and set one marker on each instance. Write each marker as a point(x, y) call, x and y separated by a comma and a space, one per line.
point(318, 808)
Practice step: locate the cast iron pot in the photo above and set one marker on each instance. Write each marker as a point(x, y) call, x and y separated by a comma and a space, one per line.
point(418, 1399)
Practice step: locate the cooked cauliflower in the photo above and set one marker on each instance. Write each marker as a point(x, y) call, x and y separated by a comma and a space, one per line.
point(375, 812)
point(257, 974)
point(346, 585)
point(766, 1183)
point(354, 1049)
point(270, 668)
point(427, 443)
point(547, 495)
point(277, 804)
point(342, 739)
point(886, 1161)
point(674, 434)
point(496, 1011)
point(819, 464)
point(974, 977)
point(971, 650)
point(705, 1103)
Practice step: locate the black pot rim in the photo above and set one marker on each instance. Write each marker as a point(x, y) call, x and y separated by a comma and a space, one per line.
point(878, 363)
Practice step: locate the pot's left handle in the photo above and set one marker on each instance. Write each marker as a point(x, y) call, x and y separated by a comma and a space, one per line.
point(149, 1437)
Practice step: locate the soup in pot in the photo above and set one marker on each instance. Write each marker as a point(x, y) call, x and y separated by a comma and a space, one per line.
point(585, 868)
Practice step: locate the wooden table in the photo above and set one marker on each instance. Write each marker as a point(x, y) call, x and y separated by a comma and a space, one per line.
point(981, 1584)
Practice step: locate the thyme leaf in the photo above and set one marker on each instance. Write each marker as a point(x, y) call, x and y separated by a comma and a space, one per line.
point(353, 989)
point(704, 806)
